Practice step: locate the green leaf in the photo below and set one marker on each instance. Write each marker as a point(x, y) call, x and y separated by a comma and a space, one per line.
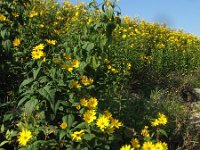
point(52, 73)
point(7, 117)
point(65, 103)
point(35, 72)
point(4, 34)
point(81, 126)
point(2, 143)
point(88, 137)
point(109, 13)
point(26, 82)
point(70, 120)
point(94, 62)
point(6, 44)
point(56, 106)
point(163, 132)
point(90, 46)
point(30, 105)
point(62, 134)
point(45, 92)
point(2, 128)
point(103, 42)
point(21, 101)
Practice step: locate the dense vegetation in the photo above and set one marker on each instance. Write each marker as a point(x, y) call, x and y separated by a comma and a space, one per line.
point(83, 77)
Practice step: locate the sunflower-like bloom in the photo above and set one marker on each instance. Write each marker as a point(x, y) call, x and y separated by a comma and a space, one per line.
point(75, 63)
point(161, 120)
point(145, 132)
point(161, 146)
point(102, 122)
point(33, 14)
point(135, 143)
point(37, 54)
point(92, 103)
point(24, 136)
point(75, 84)
point(115, 123)
point(89, 116)
point(83, 102)
point(16, 42)
point(63, 125)
point(51, 42)
point(86, 81)
point(148, 146)
point(2, 17)
point(126, 147)
point(77, 135)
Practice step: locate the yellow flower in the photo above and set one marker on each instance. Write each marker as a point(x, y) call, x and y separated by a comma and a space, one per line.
point(109, 66)
point(160, 146)
point(106, 61)
point(147, 146)
point(37, 54)
point(75, 84)
point(86, 81)
point(89, 116)
point(145, 132)
point(67, 67)
point(165, 146)
point(75, 63)
point(16, 42)
point(77, 135)
point(155, 123)
point(83, 102)
point(107, 2)
point(23, 137)
point(51, 42)
point(92, 103)
point(126, 147)
point(107, 114)
point(110, 130)
point(135, 143)
point(2, 17)
point(67, 57)
point(116, 123)
point(78, 107)
point(41, 26)
point(38, 47)
point(33, 14)
point(114, 70)
point(123, 36)
point(63, 125)
point(15, 14)
point(102, 122)
point(129, 66)
point(162, 119)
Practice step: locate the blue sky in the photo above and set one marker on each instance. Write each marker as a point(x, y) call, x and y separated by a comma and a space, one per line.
point(177, 14)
